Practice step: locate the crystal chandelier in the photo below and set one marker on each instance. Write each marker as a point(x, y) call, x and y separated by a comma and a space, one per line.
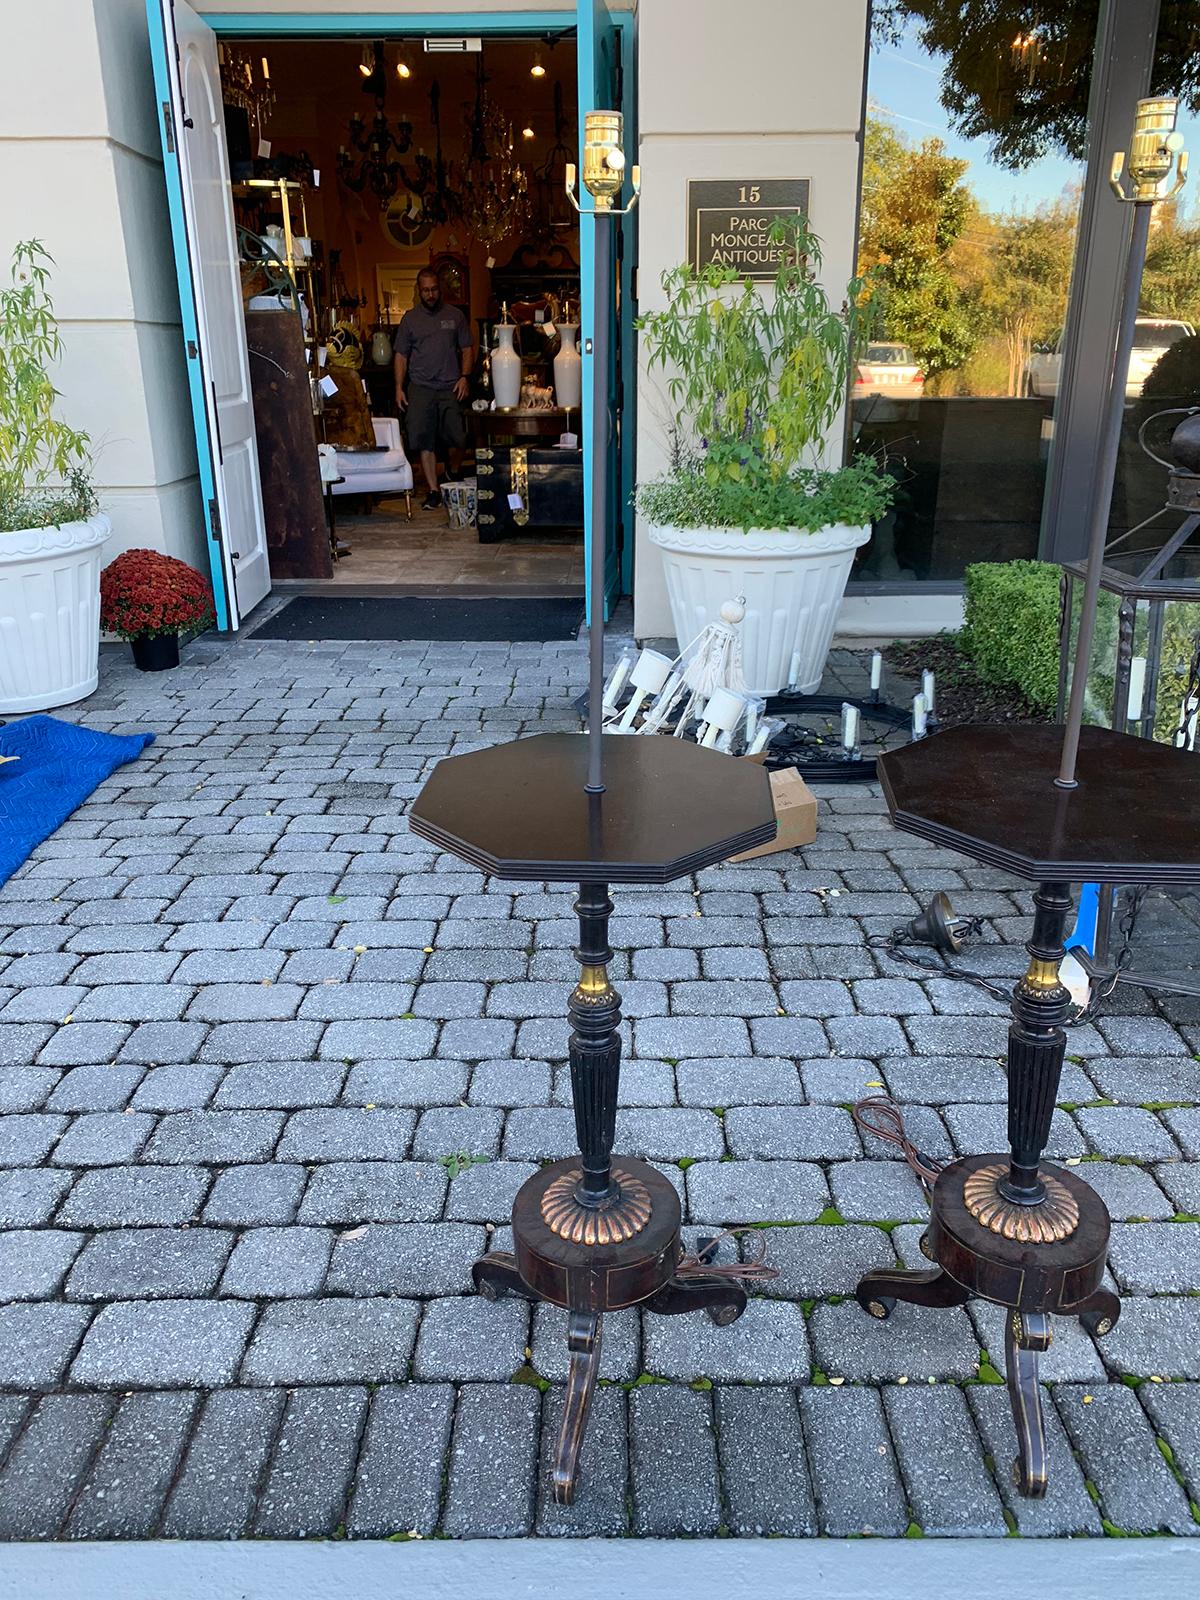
point(494, 191)
point(378, 144)
point(243, 86)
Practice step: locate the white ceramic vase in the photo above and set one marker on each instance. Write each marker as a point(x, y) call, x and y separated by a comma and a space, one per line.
point(568, 368)
point(50, 614)
point(506, 369)
point(791, 580)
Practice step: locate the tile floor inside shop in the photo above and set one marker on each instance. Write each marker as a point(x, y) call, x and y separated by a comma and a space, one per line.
point(387, 548)
point(273, 1071)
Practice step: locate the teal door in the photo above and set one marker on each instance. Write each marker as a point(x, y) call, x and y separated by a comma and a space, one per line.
point(602, 87)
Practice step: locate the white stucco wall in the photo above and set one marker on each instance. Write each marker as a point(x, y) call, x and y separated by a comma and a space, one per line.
point(756, 89)
point(81, 169)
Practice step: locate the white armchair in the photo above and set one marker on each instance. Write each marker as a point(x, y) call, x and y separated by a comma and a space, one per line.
point(386, 471)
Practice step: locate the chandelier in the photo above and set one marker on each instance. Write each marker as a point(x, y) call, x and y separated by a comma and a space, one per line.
point(431, 184)
point(378, 144)
point(494, 186)
point(245, 88)
point(553, 210)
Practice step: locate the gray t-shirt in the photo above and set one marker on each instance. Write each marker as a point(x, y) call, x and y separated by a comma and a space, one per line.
point(431, 340)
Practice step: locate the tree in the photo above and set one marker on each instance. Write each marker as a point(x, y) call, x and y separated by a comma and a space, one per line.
point(1171, 278)
point(1019, 74)
point(915, 207)
point(1030, 263)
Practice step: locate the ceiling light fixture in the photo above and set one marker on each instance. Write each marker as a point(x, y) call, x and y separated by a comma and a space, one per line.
point(366, 63)
point(538, 68)
point(527, 133)
point(403, 65)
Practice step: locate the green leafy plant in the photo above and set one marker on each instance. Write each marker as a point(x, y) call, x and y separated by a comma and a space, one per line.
point(1011, 628)
point(45, 475)
point(756, 379)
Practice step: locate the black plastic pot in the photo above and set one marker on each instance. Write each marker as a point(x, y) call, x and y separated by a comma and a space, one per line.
point(157, 653)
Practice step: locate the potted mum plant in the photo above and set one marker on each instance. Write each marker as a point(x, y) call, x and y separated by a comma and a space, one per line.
point(51, 528)
point(150, 599)
point(757, 374)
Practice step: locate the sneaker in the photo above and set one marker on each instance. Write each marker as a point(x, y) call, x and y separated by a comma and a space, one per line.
point(432, 501)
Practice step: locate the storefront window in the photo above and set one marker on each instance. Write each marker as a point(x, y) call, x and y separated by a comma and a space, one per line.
point(972, 178)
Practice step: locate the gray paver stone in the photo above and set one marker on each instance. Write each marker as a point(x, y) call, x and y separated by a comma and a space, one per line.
point(1138, 1492)
point(215, 1137)
point(103, 1139)
point(467, 1337)
point(1158, 1336)
point(278, 1263)
point(398, 1484)
point(413, 1258)
point(917, 1342)
point(29, 1195)
point(730, 1192)
point(351, 1192)
point(125, 1490)
point(486, 1193)
point(767, 1344)
point(876, 1191)
point(243, 1196)
point(949, 1488)
point(493, 1462)
point(48, 1462)
point(153, 1344)
point(303, 1341)
point(453, 1130)
point(791, 1133)
point(37, 1342)
point(674, 1462)
point(217, 1486)
point(34, 1262)
point(1155, 1257)
point(113, 1197)
point(95, 1088)
point(1174, 1410)
point(814, 1261)
point(345, 1134)
point(763, 1465)
point(853, 1462)
point(282, 1086)
point(309, 1479)
point(738, 1082)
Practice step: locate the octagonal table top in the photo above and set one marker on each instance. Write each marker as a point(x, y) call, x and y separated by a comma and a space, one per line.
point(519, 810)
point(988, 790)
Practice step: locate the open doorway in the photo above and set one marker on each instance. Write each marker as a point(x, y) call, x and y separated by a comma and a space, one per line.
point(362, 171)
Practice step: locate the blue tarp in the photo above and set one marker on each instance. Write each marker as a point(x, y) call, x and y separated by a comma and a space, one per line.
point(59, 766)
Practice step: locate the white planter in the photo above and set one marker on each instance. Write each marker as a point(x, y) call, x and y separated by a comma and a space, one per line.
point(50, 614)
point(792, 582)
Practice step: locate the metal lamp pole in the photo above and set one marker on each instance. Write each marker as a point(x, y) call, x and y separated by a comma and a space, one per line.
point(603, 177)
point(1155, 153)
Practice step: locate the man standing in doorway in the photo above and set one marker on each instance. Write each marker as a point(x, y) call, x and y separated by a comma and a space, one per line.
point(433, 352)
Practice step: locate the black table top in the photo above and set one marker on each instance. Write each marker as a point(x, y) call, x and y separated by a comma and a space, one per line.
point(988, 790)
point(520, 811)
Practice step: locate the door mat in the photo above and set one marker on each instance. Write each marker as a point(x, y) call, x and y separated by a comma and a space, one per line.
point(350, 617)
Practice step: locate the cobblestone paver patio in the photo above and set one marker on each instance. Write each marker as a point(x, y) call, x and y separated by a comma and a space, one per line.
point(271, 1071)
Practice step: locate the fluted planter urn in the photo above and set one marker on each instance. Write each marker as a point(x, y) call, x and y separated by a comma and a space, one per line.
point(791, 579)
point(50, 613)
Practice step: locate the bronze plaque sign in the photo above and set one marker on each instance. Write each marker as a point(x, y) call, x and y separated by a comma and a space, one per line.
point(729, 219)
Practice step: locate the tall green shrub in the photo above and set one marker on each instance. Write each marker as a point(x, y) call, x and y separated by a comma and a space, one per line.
point(1011, 629)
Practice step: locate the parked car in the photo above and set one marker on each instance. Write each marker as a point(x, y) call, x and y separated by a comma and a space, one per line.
point(1151, 337)
point(889, 369)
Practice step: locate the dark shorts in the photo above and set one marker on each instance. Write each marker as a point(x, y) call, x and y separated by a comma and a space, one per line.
point(434, 417)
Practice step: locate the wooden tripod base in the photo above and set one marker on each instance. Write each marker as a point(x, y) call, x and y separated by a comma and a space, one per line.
point(1033, 1279)
point(589, 1280)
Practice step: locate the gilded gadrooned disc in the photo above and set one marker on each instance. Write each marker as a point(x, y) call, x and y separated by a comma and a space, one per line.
point(626, 1216)
point(1056, 1217)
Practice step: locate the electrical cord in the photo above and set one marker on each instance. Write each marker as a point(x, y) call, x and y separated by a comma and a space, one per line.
point(701, 1262)
point(894, 945)
point(880, 1116)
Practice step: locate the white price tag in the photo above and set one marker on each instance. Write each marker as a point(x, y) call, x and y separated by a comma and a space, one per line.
point(539, 315)
point(491, 262)
point(320, 355)
point(316, 177)
point(328, 386)
point(549, 330)
point(515, 503)
point(568, 441)
point(264, 148)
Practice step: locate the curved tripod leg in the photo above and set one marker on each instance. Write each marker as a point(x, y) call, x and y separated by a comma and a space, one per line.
point(1026, 1335)
point(496, 1275)
point(724, 1299)
point(879, 1290)
point(583, 1341)
point(1099, 1312)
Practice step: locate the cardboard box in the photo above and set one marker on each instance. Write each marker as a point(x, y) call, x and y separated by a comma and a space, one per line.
point(795, 811)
